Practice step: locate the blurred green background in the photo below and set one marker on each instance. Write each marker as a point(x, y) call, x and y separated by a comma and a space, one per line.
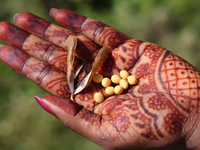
point(173, 24)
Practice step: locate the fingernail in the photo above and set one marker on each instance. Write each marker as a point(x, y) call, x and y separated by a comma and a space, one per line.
point(1, 47)
point(15, 17)
point(53, 11)
point(43, 105)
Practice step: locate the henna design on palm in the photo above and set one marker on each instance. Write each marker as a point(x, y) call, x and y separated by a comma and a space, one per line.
point(153, 113)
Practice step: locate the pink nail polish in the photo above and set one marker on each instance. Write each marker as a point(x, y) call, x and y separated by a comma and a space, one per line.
point(43, 105)
point(53, 11)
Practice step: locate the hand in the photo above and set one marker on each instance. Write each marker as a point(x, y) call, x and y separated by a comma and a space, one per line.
point(161, 110)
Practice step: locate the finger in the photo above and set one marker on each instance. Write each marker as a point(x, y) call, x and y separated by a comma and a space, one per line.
point(97, 31)
point(35, 46)
point(123, 57)
point(57, 35)
point(84, 122)
point(126, 51)
point(45, 76)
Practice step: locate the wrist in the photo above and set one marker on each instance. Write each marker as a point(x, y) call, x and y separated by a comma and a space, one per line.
point(191, 131)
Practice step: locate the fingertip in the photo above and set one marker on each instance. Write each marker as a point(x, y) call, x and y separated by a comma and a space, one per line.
point(4, 25)
point(12, 34)
point(1, 45)
point(43, 105)
point(61, 104)
point(15, 17)
point(53, 11)
point(3, 28)
point(68, 18)
point(3, 22)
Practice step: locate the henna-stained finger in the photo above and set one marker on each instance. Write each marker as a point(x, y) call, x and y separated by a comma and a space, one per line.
point(12, 35)
point(70, 108)
point(44, 51)
point(92, 126)
point(58, 35)
point(45, 76)
point(123, 57)
point(8, 55)
point(35, 46)
point(97, 31)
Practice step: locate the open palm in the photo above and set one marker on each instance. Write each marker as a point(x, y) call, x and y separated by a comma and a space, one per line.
point(160, 110)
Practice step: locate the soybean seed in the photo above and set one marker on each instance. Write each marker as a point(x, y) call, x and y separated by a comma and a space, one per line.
point(118, 90)
point(124, 74)
point(98, 97)
point(132, 80)
point(109, 90)
point(97, 78)
point(106, 82)
point(123, 83)
point(115, 79)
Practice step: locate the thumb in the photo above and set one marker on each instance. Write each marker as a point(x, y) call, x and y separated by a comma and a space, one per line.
point(58, 106)
point(77, 118)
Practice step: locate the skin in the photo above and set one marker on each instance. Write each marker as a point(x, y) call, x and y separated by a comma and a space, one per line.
point(161, 110)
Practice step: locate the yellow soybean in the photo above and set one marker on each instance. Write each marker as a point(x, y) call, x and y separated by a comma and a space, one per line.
point(115, 79)
point(124, 74)
point(118, 90)
point(132, 80)
point(123, 83)
point(97, 78)
point(106, 82)
point(109, 90)
point(98, 97)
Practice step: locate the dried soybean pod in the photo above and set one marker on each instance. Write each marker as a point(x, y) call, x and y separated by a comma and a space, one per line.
point(101, 56)
point(78, 70)
point(71, 47)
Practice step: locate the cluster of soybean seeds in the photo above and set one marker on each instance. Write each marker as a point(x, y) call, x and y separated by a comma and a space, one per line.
point(122, 81)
